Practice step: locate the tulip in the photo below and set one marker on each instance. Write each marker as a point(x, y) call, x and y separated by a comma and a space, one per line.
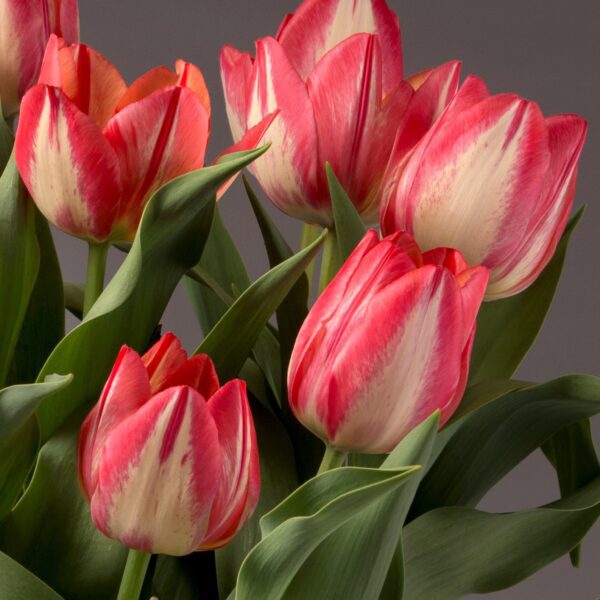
point(493, 178)
point(92, 151)
point(335, 72)
point(167, 458)
point(386, 344)
point(25, 26)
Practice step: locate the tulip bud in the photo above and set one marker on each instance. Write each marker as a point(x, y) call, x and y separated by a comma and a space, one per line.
point(386, 344)
point(494, 179)
point(25, 26)
point(334, 71)
point(168, 459)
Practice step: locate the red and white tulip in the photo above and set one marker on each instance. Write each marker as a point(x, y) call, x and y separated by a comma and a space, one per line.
point(386, 344)
point(25, 27)
point(334, 71)
point(493, 178)
point(168, 458)
point(92, 151)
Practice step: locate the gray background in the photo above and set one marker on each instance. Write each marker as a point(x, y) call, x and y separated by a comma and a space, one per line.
point(547, 50)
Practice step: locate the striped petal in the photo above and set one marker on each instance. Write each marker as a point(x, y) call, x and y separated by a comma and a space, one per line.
point(25, 26)
point(67, 165)
point(190, 76)
point(126, 390)
point(197, 372)
point(355, 131)
point(236, 70)
point(154, 80)
point(474, 180)
point(162, 136)
point(319, 25)
point(566, 138)
point(85, 76)
point(287, 173)
point(239, 485)
point(158, 475)
point(164, 358)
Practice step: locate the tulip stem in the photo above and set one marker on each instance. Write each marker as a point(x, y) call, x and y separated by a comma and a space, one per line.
point(95, 274)
point(133, 575)
point(332, 459)
point(330, 263)
point(309, 234)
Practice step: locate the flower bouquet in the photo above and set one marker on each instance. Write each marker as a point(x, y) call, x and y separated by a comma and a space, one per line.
point(332, 434)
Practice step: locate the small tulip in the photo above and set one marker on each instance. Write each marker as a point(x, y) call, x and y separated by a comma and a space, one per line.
point(334, 71)
point(493, 178)
point(25, 26)
point(92, 151)
point(168, 459)
point(386, 344)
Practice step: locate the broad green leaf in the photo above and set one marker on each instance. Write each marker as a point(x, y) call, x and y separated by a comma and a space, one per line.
point(6, 142)
point(74, 293)
point(50, 531)
point(278, 480)
point(44, 323)
point(247, 317)
point(496, 437)
point(168, 243)
point(285, 564)
point(572, 454)
point(451, 552)
point(19, 434)
point(19, 262)
point(17, 583)
point(349, 227)
point(507, 328)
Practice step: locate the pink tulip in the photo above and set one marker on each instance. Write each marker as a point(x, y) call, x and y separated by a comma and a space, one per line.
point(25, 26)
point(386, 344)
point(167, 458)
point(92, 151)
point(493, 178)
point(335, 72)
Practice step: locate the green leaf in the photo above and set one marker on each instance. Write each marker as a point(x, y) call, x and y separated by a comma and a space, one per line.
point(246, 318)
point(295, 558)
point(74, 293)
point(452, 552)
point(507, 328)
point(168, 243)
point(17, 583)
point(494, 439)
point(44, 323)
point(19, 262)
point(278, 480)
point(7, 140)
point(50, 531)
point(19, 434)
point(349, 227)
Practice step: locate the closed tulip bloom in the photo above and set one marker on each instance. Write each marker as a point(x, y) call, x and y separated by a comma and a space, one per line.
point(334, 70)
point(493, 178)
point(92, 151)
point(386, 344)
point(168, 458)
point(25, 26)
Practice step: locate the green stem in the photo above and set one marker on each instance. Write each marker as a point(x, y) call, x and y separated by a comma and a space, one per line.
point(309, 234)
point(330, 263)
point(95, 274)
point(133, 575)
point(331, 459)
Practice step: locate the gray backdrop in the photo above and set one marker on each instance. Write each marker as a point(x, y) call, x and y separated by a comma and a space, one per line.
point(546, 50)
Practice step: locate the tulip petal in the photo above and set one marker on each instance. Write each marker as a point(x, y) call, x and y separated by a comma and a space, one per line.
point(156, 139)
point(474, 179)
point(158, 475)
point(239, 485)
point(85, 76)
point(288, 172)
point(154, 80)
point(236, 69)
point(319, 25)
point(125, 391)
point(355, 131)
point(67, 165)
point(197, 372)
point(165, 357)
point(566, 138)
point(190, 76)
